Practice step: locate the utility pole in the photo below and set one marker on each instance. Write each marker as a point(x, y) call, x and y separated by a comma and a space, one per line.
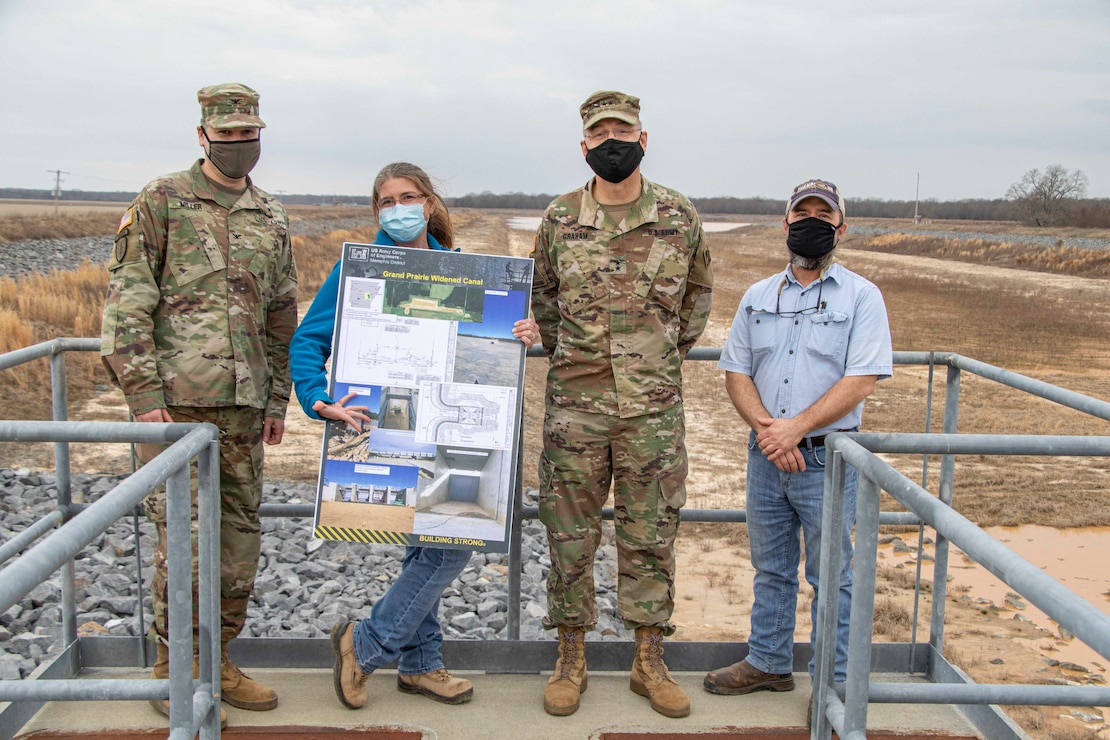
point(57, 187)
point(916, 198)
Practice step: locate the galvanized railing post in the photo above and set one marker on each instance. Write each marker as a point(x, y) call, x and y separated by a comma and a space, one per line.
point(863, 607)
point(179, 601)
point(828, 604)
point(208, 555)
point(59, 403)
point(921, 526)
point(945, 491)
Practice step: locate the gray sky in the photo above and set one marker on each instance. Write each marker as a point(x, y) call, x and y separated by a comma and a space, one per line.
point(739, 97)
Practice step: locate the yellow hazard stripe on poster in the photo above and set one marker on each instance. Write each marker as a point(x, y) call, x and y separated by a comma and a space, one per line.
point(370, 537)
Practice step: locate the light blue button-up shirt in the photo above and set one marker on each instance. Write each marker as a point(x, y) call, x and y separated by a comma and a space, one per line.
point(794, 360)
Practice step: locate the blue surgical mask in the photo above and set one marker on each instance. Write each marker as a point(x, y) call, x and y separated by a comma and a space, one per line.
point(403, 223)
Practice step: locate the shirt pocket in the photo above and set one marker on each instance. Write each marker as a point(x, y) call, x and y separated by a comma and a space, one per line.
point(828, 334)
point(581, 285)
point(663, 280)
point(763, 330)
point(192, 252)
point(263, 264)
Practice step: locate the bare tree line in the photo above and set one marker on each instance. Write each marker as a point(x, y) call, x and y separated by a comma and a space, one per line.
point(1052, 197)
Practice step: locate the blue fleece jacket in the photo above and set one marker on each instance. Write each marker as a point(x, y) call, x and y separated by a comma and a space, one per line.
point(311, 346)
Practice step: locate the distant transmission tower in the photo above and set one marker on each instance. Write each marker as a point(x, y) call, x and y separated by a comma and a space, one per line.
point(57, 187)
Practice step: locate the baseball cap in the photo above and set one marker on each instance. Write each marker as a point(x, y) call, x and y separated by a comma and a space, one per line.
point(822, 189)
point(229, 105)
point(610, 104)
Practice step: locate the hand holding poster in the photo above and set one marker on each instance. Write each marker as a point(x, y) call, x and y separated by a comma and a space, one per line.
point(423, 342)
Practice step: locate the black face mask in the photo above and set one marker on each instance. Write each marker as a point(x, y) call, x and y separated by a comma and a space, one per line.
point(811, 237)
point(614, 160)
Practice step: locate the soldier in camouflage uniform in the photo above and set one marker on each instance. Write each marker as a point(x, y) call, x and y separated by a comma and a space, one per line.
point(621, 293)
point(201, 306)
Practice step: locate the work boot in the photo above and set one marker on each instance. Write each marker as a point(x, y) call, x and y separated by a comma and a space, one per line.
point(568, 682)
point(744, 678)
point(350, 681)
point(651, 678)
point(240, 690)
point(162, 670)
point(439, 685)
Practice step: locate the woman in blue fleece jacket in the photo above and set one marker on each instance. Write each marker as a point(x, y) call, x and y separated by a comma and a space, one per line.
point(404, 624)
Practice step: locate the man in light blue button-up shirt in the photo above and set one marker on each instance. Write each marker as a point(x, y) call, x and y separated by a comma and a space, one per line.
point(806, 348)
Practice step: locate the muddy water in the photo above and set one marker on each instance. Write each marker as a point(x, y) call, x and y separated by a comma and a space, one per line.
point(1075, 557)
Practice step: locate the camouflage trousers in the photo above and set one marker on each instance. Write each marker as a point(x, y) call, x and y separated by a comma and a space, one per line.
point(644, 458)
point(240, 533)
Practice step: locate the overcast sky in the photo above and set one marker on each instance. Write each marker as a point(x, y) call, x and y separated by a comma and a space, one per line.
point(739, 97)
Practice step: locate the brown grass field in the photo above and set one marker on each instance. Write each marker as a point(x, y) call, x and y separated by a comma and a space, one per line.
point(1042, 313)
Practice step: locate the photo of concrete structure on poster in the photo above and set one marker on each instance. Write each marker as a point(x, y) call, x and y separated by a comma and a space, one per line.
point(423, 340)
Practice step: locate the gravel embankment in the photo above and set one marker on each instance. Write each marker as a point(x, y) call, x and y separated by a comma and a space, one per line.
point(17, 258)
point(44, 255)
point(304, 586)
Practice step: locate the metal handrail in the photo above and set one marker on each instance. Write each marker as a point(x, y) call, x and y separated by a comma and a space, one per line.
point(848, 717)
point(194, 703)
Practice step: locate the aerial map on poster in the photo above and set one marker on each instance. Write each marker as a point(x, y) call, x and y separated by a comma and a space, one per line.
point(423, 339)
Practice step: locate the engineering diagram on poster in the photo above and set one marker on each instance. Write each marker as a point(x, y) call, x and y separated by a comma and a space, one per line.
point(467, 415)
point(380, 349)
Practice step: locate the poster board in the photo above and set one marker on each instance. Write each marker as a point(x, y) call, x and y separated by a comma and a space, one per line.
point(423, 338)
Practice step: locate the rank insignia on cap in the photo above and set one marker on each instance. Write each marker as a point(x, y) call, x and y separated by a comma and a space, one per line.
point(125, 220)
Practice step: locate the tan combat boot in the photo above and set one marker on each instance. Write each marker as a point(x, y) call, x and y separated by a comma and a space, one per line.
point(568, 682)
point(240, 690)
point(651, 678)
point(162, 670)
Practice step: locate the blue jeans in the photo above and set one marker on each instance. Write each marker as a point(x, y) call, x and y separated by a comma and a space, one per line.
point(779, 505)
point(404, 624)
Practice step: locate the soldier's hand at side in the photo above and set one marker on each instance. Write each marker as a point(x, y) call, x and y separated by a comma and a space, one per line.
point(157, 416)
point(272, 430)
point(339, 411)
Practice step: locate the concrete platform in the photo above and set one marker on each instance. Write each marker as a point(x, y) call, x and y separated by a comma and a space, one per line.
point(508, 706)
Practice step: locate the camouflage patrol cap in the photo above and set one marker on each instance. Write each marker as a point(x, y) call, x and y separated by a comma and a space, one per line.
point(229, 105)
point(610, 104)
point(822, 189)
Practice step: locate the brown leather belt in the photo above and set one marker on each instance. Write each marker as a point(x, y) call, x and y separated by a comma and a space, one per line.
point(819, 440)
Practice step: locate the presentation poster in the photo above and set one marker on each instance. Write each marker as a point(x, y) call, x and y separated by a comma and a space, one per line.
point(423, 339)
